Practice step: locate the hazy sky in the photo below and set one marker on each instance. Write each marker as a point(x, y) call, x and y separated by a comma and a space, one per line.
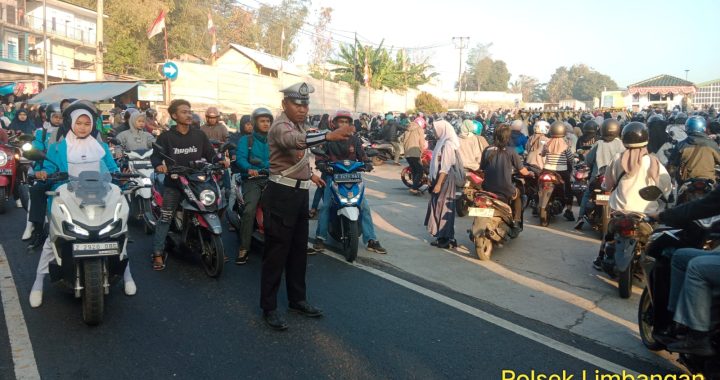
point(629, 40)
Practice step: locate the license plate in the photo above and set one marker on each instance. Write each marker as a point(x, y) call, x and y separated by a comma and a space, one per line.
point(5, 171)
point(481, 212)
point(602, 197)
point(95, 249)
point(347, 177)
point(141, 162)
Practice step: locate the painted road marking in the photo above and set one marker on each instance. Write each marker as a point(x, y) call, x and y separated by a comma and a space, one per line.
point(20, 345)
point(497, 321)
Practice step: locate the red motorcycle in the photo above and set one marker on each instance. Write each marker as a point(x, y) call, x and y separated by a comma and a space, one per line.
point(406, 173)
point(11, 170)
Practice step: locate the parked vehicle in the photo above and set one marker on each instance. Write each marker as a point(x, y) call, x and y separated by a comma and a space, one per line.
point(380, 151)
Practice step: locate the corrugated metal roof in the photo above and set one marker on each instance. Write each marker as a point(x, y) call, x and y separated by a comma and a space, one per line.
point(267, 60)
point(663, 80)
point(92, 91)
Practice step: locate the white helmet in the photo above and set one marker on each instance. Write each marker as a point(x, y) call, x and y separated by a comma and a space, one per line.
point(541, 127)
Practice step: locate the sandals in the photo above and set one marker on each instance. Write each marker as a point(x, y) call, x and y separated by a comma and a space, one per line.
point(158, 266)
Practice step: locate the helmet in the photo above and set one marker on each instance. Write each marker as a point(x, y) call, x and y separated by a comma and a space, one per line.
point(342, 114)
point(212, 112)
point(655, 118)
point(541, 127)
point(590, 127)
point(76, 105)
point(585, 117)
point(635, 135)
point(262, 112)
point(610, 130)
point(680, 118)
point(557, 129)
point(196, 119)
point(695, 124)
point(51, 109)
point(639, 117)
point(151, 113)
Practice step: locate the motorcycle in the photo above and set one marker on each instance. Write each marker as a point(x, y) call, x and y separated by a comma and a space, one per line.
point(196, 226)
point(406, 173)
point(465, 198)
point(235, 215)
point(88, 233)
point(348, 191)
point(631, 232)
point(694, 188)
point(493, 224)
point(580, 180)
point(12, 174)
point(380, 151)
point(138, 162)
point(655, 261)
point(551, 198)
point(597, 211)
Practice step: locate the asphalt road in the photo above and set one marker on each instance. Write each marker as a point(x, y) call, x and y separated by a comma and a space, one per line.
point(185, 325)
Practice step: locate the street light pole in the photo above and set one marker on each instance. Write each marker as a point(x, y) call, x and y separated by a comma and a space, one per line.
point(460, 43)
point(99, 72)
point(45, 46)
point(686, 73)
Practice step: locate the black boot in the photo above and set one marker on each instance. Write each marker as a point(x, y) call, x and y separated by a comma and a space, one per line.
point(38, 236)
point(697, 343)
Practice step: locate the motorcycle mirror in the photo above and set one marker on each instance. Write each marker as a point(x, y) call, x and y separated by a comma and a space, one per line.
point(228, 146)
point(33, 154)
point(650, 193)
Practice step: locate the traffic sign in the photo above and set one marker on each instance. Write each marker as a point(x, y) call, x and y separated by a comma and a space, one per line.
point(170, 70)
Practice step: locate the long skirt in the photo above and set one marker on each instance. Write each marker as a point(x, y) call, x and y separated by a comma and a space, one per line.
point(440, 217)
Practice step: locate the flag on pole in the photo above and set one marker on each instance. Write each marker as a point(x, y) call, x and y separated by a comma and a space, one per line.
point(211, 25)
point(157, 26)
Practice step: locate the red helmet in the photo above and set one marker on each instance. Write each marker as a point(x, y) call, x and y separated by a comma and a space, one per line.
point(342, 114)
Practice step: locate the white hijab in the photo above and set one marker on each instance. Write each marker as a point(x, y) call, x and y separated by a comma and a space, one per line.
point(446, 136)
point(83, 154)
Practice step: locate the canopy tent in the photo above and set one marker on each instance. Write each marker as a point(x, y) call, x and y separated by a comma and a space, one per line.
point(92, 91)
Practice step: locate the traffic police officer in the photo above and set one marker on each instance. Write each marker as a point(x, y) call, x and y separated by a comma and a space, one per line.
point(285, 205)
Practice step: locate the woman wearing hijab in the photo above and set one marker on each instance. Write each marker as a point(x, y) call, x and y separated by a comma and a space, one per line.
point(559, 159)
point(535, 146)
point(22, 123)
point(470, 151)
point(414, 144)
point(78, 152)
point(440, 218)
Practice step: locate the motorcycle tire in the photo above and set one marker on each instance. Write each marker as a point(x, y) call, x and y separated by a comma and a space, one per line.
point(24, 193)
point(3, 201)
point(351, 228)
point(625, 281)
point(645, 322)
point(93, 295)
point(406, 176)
point(146, 210)
point(213, 254)
point(544, 217)
point(461, 207)
point(483, 248)
point(377, 161)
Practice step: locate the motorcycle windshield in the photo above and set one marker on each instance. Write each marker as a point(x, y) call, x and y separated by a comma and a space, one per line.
point(91, 187)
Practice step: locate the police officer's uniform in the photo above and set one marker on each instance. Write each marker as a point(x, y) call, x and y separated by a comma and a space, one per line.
point(285, 205)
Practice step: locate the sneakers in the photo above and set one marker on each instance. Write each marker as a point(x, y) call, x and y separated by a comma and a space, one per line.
point(130, 288)
point(569, 215)
point(36, 298)
point(242, 257)
point(580, 223)
point(318, 247)
point(597, 263)
point(28, 233)
point(374, 246)
point(18, 203)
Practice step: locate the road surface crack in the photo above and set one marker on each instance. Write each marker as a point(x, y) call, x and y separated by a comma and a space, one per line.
point(585, 312)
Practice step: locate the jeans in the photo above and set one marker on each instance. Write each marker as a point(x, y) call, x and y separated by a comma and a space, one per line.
point(171, 200)
point(366, 223)
point(678, 270)
point(252, 191)
point(319, 192)
point(702, 283)
point(417, 171)
point(583, 202)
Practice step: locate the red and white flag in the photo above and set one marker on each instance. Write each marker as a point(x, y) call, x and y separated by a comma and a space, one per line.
point(157, 26)
point(211, 25)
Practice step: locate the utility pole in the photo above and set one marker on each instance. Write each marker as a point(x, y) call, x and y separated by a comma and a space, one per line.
point(686, 73)
point(460, 44)
point(99, 72)
point(45, 46)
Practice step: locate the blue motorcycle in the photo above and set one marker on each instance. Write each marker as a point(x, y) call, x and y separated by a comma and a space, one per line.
point(348, 191)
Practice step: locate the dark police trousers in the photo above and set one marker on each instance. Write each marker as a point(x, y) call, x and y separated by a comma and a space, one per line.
point(285, 214)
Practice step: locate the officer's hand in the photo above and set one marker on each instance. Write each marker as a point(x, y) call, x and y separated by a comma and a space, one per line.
point(41, 175)
point(161, 169)
point(340, 134)
point(252, 173)
point(317, 181)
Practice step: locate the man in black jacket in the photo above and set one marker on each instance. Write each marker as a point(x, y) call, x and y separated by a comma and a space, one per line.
point(391, 135)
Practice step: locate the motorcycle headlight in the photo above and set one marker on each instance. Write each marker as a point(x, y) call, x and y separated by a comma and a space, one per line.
point(3, 158)
point(207, 197)
point(72, 228)
point(111, 228)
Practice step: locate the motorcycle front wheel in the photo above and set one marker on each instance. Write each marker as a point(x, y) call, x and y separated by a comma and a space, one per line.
point(483, 248)
point(149, 220)
point(213, 253)
point(351, 232)
point(93, 296)
point(406, 176)
point(645, 322)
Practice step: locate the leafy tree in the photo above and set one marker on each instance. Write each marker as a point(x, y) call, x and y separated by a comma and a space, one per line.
point(578, 82)
point(486, 75)
point(289, 16)
point(525, 85)
point(323, 45)
point(427, 103)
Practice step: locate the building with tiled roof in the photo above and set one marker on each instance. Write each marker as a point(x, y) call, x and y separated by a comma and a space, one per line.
point(662, 91)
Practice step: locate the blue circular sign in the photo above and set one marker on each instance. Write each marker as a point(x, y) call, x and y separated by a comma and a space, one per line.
point(170, 70)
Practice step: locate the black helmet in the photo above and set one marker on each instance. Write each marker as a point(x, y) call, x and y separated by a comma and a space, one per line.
point(557, 129)
point(51, 109)
point(262, 112)
point(590, 127)
point(585, 117)
point(639, 117)
point(656, 118)
point(610, 129)
point(680, 118)
point(635, 135)
point(76, 105)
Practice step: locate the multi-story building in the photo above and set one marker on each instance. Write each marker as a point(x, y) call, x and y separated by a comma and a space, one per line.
point(707, 95)
point(69, 48)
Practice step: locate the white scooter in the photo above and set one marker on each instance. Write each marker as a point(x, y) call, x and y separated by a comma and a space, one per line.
point(88, 234)
point(140, 201)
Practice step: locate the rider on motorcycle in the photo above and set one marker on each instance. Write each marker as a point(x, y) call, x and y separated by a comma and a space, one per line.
point(559, 159)
point(136, 138)
point(601, 155)
point(535, 145)
point(499, 162)
point(470, 151)
point(517, 137)
point(185, 145)
point(338, 151)
point(631, 171)
point(589, 136)
point(253, 155)
point(697, 155)
point(79, 151)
